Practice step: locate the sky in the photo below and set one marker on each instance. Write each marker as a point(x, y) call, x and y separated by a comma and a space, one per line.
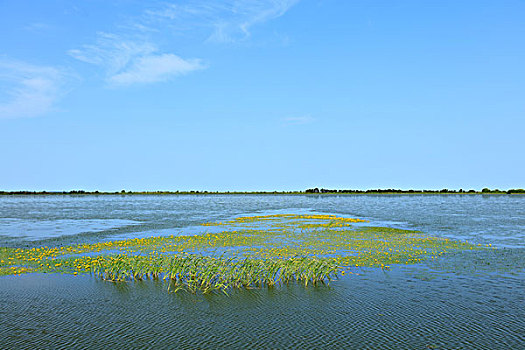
point(245, 95)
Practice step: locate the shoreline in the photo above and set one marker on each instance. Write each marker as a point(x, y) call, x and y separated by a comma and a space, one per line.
point(291, 193)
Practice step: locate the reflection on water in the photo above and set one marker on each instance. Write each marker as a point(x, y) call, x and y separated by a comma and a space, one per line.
point(33, 230)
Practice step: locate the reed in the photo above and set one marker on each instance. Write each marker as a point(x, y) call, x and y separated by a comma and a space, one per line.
point(194, 272)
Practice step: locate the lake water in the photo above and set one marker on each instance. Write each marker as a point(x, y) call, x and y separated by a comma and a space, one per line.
point(470, 300)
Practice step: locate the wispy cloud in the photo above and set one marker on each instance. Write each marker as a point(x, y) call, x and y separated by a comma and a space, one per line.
point(113, 51)
point(28, 90)
point(132, 55)
point(155, 68)
point(227, 20)
point(300, 120)
point(129, 62)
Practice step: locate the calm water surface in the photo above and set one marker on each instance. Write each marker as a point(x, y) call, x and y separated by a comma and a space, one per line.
point(470, 300)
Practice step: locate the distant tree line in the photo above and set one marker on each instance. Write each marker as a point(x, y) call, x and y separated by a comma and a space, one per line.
point(308, 191)
point(391, 190)
point(124, 192)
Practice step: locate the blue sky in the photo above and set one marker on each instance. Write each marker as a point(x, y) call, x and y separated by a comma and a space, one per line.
point(261, 95)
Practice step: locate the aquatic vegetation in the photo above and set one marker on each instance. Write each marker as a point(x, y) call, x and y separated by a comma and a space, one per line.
point(251, 251)
point(195, 272)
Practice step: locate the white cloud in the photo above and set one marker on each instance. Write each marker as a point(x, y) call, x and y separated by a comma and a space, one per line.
point(28, 90)
point(112, 51)
point(131, 54)
point(128, 62)
point(254, 12)
point(155, 68)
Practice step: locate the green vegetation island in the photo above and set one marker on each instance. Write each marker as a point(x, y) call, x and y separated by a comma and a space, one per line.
point(307, 191)
point(249, 252)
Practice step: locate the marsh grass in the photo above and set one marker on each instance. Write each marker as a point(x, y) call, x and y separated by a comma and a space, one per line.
point(206, 274)
point(250, 252)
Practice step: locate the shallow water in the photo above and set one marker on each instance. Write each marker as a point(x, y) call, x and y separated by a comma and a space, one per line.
point(391, 310)
point(496, 219)
point(472, 300)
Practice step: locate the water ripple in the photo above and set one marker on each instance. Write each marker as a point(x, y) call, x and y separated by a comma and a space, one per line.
point(387, 311)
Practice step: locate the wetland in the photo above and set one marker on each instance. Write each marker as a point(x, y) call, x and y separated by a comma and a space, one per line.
point(310, 271)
